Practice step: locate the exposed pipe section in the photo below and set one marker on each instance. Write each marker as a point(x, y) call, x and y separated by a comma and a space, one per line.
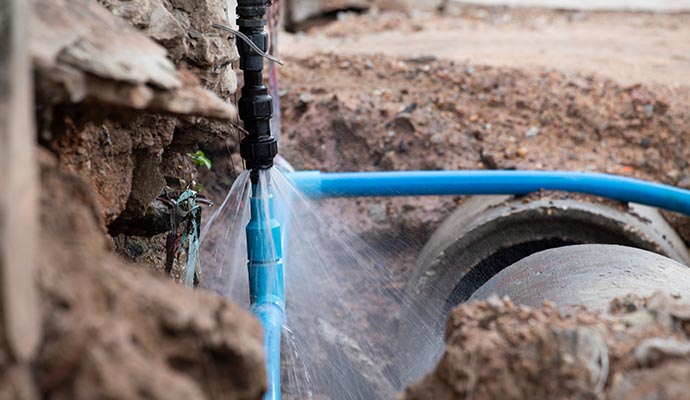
point(266, 284)
point(255, 106)
point(420, 183)
point(258, 148)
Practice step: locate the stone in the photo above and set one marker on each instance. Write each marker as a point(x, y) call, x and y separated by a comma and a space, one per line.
point(134, 334)
point(83, 53)
point(378, 213)
point(389, 161)
point(402, 123)
point(654, 351)
point(532, 132)
point(19, 315)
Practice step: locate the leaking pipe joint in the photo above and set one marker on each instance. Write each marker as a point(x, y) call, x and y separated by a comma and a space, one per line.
point(266, 284)
point(420, 183)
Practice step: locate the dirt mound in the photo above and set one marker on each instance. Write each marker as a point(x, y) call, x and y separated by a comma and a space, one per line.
point(495, 349)
point(116, 120)
point(382, 113)
point(114, 331)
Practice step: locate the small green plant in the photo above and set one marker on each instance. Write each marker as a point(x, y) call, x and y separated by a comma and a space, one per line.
point(200, 159)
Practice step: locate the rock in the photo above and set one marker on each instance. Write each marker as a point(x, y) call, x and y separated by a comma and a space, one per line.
point(402, 123)
point(677, 308)
point(20, 317)
point(101, 155)
point(82, 53)
point(299, 11)
point(684, 182)
point(437, 139)
point(112, 64)
point(532, 132)
point(490, 353)
point(668, 381)
point(653, 351)
point(306, 98)
point(111, 331)
point(496, 349)
point(378, 213)
point(488, 159)
point(648, 110)
point(389, 161)
point(143, 250)
point(147, 182)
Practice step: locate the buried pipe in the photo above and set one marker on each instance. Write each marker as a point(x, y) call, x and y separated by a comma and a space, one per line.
point(422, 183)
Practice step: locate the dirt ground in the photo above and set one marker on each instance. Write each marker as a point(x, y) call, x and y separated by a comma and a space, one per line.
point(627, 47)
point(469, 88)
point(383, 113)
point(496, 349)
point(497, 89)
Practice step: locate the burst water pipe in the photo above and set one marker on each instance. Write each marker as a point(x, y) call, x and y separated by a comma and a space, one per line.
point(258, 148)
point(420, 183)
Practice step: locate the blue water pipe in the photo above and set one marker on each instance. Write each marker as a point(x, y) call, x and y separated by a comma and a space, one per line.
point(266, 283)
point(482, 182)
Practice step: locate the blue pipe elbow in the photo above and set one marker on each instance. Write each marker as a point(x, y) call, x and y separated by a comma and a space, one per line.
point(420, 183)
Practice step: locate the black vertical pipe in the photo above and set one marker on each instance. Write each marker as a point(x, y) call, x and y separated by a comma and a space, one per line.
point(259, 147)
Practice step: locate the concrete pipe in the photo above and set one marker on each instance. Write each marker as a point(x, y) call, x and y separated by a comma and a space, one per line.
point(489, 233)
point(587, 275)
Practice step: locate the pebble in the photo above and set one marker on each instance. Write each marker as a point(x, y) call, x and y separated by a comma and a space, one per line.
point(437, 139)
point(684, 182)
point(521, 152)
point(532, 132)
point(378, 213)
point(306, 98)
point(402, 123)
point(648, 110)
point(389, 161)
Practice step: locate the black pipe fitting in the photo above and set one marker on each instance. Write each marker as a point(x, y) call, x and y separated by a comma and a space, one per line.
point(259, 147)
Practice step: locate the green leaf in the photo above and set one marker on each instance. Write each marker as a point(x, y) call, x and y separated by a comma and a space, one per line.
point(200, 159)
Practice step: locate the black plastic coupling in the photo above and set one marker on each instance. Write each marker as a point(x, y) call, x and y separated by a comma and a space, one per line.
point(259, 147)
point(259, 151)
point(255, 108)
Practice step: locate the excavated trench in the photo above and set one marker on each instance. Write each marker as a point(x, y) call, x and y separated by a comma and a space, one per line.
point(104, 172)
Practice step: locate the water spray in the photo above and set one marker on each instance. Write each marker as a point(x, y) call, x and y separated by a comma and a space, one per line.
point(258, 148)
